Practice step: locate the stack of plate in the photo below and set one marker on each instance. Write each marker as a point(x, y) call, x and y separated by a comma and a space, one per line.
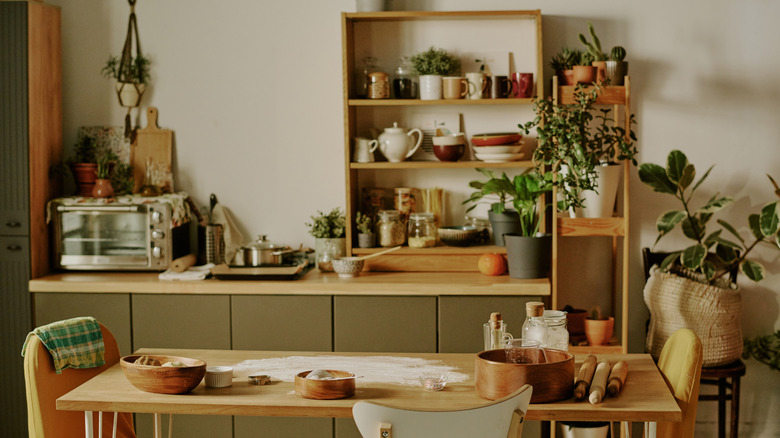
point(498, 147)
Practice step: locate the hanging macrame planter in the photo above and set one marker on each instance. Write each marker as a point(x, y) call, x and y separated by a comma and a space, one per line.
point(133, 71)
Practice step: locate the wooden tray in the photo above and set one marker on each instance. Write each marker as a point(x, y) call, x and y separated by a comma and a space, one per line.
point(261, 273)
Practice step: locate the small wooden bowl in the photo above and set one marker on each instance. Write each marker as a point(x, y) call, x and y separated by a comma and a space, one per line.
point(342, 386)
point(552, 380)
point(164, 380)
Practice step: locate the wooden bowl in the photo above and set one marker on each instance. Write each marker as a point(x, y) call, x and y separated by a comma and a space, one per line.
point(342, 386)
point(164, 380)
point(552, 380)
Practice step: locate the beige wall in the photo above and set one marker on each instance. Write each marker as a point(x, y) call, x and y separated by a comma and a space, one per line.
point(253, 92)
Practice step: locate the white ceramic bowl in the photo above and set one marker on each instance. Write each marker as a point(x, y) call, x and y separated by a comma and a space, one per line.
point(498, 158)
point(219, 377)
point(347, 267)
point(507, 149)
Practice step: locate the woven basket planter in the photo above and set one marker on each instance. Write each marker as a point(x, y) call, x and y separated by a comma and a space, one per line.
point(712, 312)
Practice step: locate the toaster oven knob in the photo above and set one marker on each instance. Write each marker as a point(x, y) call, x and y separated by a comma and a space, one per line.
point(157, 252)
point(156, 217)
point(157, 234)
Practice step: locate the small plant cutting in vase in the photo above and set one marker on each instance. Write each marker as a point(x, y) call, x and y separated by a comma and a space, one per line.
point(431, 65)
point(582, 144)
point(103, 188)
point(329, 231)
point(366, 237)
point(690, 285)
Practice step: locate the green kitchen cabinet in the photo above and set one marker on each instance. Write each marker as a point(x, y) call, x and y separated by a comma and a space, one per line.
point(112, 310)
point(190, 426)
point(283, 427)
point(282, 322)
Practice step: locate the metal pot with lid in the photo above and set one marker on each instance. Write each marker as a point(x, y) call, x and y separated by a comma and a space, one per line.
point(263, 252)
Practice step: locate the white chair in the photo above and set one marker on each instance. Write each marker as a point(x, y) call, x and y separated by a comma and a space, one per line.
point(500, 419)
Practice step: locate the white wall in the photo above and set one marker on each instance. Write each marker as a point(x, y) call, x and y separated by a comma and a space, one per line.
point(253, 92)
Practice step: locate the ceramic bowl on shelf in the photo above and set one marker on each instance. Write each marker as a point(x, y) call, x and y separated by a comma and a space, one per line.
point(155, 376)
point(496, 139)
point(452, 152)
point(458, 236)
point(502, 149)
point(449, 139)
point(498, 158)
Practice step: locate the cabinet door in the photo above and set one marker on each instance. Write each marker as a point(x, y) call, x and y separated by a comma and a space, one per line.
point(112, 310)
point(461, 320)
point(283, 323)
point(385, 324)
point(181, 321)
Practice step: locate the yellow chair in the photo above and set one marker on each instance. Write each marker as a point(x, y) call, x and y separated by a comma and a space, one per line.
point(680, 364)
point(500, 419)
point(44, 386)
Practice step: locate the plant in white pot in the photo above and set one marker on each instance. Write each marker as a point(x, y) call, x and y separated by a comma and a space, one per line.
point(583, 144)
point(690, 288)
point(329, 231)
point(131, 75)
point(432, 65)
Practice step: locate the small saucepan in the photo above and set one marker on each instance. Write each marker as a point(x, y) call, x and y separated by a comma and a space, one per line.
point(263, 252)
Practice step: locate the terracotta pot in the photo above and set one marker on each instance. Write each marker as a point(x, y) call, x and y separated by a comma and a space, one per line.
point(584, 74)
point(601, 71)
point(85, 175)
point(599, 331)
point(102, 189)
point(568, 77)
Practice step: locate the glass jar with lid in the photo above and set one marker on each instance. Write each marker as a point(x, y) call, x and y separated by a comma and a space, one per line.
point(389, 228)
point(422, 230)
point(378, 85)
point(361, 76)
point(403, 80)
point(482, 225)
point(557, 332)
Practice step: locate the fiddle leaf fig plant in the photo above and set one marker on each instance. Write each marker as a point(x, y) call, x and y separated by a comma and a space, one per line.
point(712, 254)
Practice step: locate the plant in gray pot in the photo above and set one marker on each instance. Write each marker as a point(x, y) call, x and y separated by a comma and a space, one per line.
point(617, 68)
point(502, 220)
point(366, 236)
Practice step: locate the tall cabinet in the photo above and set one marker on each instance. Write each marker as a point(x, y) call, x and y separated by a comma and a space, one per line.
point(30, 142)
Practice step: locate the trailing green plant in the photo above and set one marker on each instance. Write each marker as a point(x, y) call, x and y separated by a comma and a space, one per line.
point(565, 59)
point(122, 179)
point(765, 349)
point(711, 254)
point(363, 223)
point(594, 47)
point(435, 62)
point(579, 136)
point(136, 71)
point(524, 192)
point(618, 53)
point(328, 226)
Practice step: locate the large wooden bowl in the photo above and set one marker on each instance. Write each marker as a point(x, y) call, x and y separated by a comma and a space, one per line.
point(164, 380)
point(342, 386)
point(552, 380)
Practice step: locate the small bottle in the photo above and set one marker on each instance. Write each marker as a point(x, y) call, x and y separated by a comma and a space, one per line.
point(496, 331)
point(534, 327)
point(389, 228)
point(422, 230)
point(361, 76)
point(557, 333)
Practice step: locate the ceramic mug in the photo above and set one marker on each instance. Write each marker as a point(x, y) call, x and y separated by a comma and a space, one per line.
point(501, 87)
point(364, 150)
point(523, 84)
point(478, 83)
point(455, 87)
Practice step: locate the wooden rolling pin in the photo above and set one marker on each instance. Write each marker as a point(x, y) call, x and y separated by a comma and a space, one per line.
point(599, 386)
point(584, 377)
point(183, 263)
point(617, 378)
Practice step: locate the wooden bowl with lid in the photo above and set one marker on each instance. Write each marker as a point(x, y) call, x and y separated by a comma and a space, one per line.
point(164, 379)
point(340, 385)
point(549, 371)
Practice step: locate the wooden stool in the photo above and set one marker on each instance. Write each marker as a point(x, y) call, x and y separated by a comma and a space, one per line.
point(726, 378)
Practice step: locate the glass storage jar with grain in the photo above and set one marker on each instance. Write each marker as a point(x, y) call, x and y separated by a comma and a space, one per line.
point(422, 230)
point(389, 228)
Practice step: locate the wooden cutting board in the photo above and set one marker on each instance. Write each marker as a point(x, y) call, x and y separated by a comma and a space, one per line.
point(152, 145)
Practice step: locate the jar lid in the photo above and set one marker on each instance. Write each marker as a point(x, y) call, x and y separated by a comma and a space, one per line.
point(262, 242)
point(378, 76)
point(389, 214)
point(421, 216)
point(554, 314)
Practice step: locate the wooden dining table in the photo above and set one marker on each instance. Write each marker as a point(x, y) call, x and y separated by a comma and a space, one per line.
point(645, 396)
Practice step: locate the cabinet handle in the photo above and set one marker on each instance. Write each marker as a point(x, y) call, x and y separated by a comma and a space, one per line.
point(13, 224)
point(13, 247)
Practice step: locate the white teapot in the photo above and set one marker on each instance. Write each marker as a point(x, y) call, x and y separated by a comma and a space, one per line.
point(396, 145)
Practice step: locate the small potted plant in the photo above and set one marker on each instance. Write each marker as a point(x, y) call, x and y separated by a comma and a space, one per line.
point(329, 231)
point(83, 164)
point(598, 58)
point(431, 65)
point(563, 65)
point(366, 236)
point(498, 191)
point(598, 328)
point(131, 77)
point(103, 188)
point(616, 67)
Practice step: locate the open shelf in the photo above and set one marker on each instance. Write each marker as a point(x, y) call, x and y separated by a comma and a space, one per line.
point(418, 102)
point(440, 165)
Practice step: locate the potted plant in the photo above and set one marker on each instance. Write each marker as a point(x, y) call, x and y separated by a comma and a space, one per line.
point(583, 145)
point(431, 65)
point(765, 349)
point(103, 188)
point(616, 67)
point(83, 164)
point(366, 236)
point(599, 328)
point(583, 71)
point(599, 58)
point(131, 78)
point(329, 231)
point(690, 286)
point(501, 190)
point(563, 65)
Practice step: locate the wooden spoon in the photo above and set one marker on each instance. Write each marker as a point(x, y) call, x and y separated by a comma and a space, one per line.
point(378, 253)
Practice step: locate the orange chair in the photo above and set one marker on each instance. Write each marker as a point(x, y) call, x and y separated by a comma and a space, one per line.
point(44, 386)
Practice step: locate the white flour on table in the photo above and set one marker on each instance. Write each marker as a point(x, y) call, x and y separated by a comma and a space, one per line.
point(370, 369)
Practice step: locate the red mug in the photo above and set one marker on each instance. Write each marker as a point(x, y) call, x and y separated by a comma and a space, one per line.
point(523, 84)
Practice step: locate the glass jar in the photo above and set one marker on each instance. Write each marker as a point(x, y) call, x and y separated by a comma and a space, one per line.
point(482, 225)
point(378, 85)
point(557, 333)
point(361, 76)
point(422, 230)
point(403, 82)
point(534, 326)
point(389, 228)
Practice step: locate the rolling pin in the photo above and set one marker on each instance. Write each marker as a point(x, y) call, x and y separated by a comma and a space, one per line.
point(582, 384)
point(599, 385)
point(617, 378)
point(183, 263)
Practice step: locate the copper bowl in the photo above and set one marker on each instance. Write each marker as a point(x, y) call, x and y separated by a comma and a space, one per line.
point(164, 380)
point(552, 380)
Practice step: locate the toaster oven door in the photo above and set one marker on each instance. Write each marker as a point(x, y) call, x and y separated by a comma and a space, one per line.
point(104, 239)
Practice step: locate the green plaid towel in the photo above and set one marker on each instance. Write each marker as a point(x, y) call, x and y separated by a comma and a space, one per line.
point(73, 343)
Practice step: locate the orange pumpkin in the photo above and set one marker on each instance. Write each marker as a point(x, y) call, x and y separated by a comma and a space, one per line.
point(492, 264)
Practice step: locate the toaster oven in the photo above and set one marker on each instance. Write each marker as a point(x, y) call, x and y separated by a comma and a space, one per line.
point(139, 236)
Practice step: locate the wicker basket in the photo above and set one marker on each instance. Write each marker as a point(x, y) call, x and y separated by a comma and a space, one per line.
point(712, 311)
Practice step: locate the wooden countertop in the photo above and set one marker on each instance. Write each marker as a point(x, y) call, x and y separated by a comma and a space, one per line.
point(313, 283)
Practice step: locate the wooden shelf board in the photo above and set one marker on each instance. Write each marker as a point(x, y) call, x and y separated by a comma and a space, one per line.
point(418, 102)
point(440, 165)
point(610, 95)
point(436, 250)
point(432, 15)
point(607, 226)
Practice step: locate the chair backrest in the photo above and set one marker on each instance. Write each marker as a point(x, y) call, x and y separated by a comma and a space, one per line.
point(44, 386)
point(501, 419)
point(680, 363)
